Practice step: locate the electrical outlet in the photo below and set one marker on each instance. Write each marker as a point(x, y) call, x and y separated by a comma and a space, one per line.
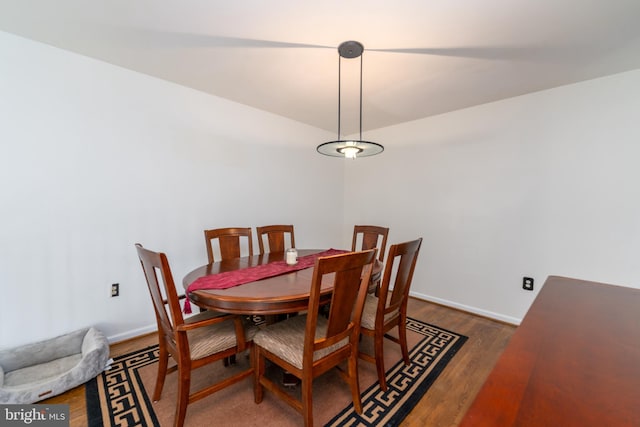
point(115, 289)
point(527, 283)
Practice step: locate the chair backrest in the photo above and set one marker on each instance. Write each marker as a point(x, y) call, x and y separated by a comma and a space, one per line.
point(163, 294)
point(370, 236)
point(275, 237)
point(228, 242)
point(351, 274)
point(401, 263)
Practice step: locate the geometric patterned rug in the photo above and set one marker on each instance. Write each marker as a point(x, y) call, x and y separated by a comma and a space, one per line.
point(117, 397)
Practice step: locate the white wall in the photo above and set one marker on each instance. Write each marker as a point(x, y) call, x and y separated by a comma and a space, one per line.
point(543, 184)
point(95, 158)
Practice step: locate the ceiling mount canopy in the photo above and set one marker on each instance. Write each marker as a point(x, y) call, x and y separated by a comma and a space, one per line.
point(350, 148)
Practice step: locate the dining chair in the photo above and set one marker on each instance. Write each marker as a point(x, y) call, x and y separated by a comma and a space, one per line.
point(275, 236)
point(192, 342)
point(308, 345)
point(369, 237)
point(228, 242)
point(388, 309)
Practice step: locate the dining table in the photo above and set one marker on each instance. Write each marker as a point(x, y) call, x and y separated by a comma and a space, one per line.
point(283, 293)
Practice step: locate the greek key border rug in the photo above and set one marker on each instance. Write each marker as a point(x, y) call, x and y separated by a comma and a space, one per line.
point(118, 398)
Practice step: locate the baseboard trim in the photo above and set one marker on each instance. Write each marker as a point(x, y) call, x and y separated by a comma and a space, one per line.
point(134, 333)
point(469, 309)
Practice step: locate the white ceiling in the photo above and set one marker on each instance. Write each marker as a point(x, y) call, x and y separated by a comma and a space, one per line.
point(465, 52)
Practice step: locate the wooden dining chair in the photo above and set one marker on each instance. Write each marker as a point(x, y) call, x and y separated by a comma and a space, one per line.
point(389, 309)
point(192, 342)
point(369, 237)
point(275, 236)
point(228, 242)
point(309, 345)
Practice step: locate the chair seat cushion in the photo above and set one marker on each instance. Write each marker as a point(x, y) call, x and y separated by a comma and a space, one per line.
point(285, 339)
point(215, 338)
point(369, 313)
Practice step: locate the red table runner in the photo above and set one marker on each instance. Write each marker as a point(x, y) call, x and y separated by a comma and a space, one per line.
point(229, 279)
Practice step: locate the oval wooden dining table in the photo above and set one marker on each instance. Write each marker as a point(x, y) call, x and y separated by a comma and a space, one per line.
point(285, 293)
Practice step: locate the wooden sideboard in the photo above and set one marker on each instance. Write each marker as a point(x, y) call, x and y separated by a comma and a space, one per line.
point(573, 361)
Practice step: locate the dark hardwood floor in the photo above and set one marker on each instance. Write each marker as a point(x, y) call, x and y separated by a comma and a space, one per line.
point(444, 404)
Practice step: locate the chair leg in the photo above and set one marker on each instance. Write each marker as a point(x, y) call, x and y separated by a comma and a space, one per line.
point(402, 338)
point(354, 382)
point(258, 372)
point(163, 363)
point(228, 361)
point(184, 384)
point(307, 403)
point(378, 345)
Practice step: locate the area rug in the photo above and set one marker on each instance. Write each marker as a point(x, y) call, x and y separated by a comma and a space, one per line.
point(121, 396)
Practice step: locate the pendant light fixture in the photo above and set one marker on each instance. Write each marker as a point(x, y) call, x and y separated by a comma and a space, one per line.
point(350, 148)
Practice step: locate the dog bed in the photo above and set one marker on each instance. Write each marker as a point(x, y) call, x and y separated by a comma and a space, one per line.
point(37, 371)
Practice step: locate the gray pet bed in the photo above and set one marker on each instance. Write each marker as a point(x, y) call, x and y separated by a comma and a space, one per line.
point(40, 370)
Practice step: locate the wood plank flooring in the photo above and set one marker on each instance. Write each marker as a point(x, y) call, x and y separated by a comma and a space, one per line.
point(446, 402)
point(443, 405)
